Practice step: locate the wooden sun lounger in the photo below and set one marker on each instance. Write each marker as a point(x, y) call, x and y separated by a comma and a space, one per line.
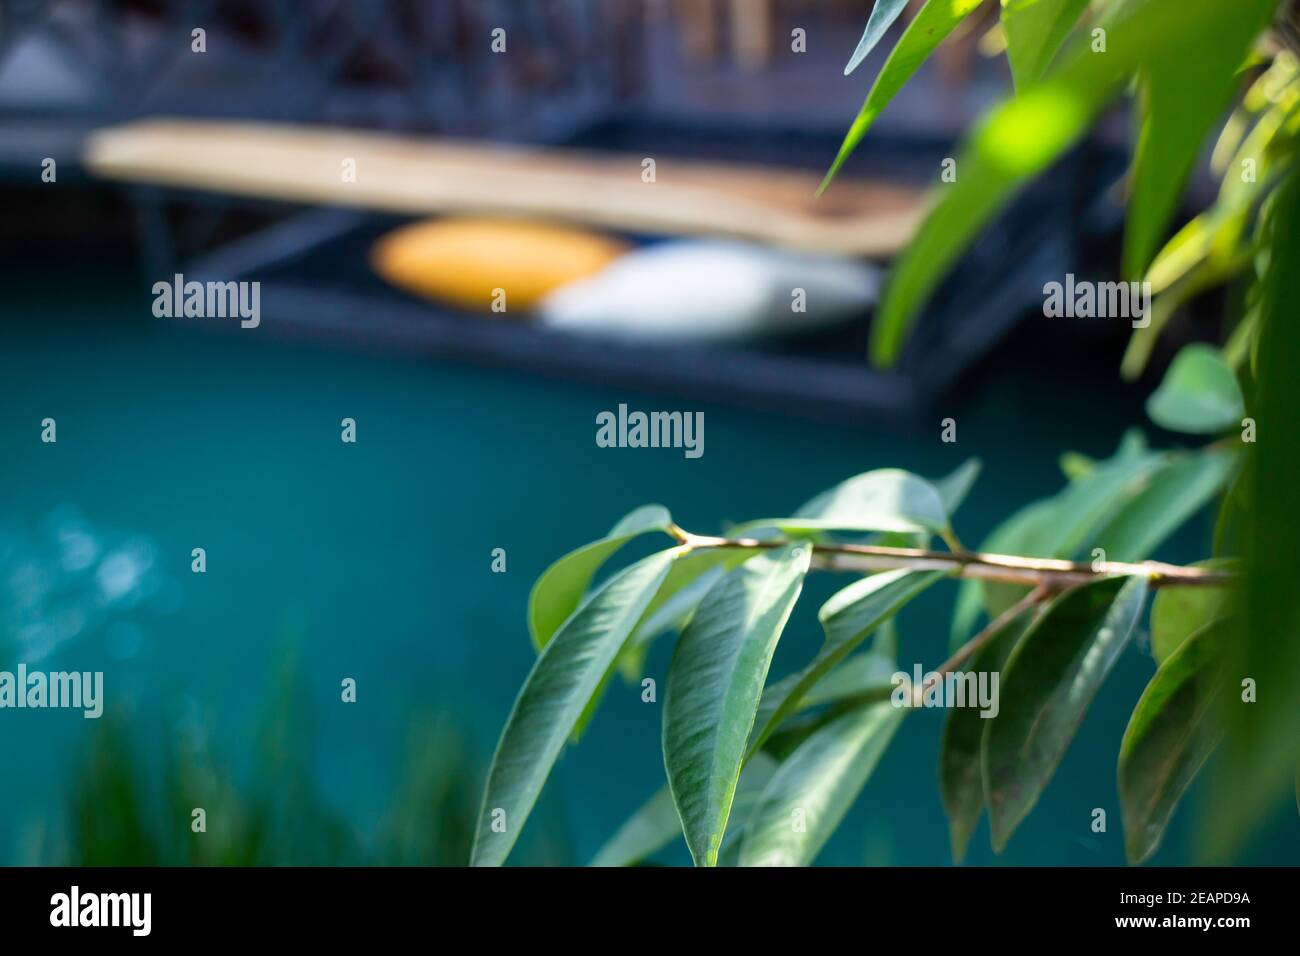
point(423, 176)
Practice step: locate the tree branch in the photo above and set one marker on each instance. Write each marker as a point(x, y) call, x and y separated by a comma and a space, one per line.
point(1051, 573)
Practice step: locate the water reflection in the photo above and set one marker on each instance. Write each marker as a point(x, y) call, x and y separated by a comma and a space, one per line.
point(69, 579)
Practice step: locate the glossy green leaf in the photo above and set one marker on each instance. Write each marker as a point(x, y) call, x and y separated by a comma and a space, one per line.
point(883, 15)
point(1035, 30)
point(816, 785)
point(1175, 492)
point(560, 589)
point(1020, 139)
point(1046, 687)
point(961, 783)
point(1172, 732)
point(1185, 92)
point(888, 499)
point(690, 578)
point(1199, 394)
point(847, 618)
point(563, 680)
point(927, 30)
point(714, 685)
point(656, 824)
point(1177, 612)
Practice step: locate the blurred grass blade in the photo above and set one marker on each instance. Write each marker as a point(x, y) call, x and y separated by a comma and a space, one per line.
point(1185, 92)
point(960, 780)
point(847, 618)
point(563, 680)
point(1047, 685)
point(1035, 30)
point(882, 18)
point(562, 586)
point(814, 787)
point(927, 30)
point(714, 684)
point(1172, 732)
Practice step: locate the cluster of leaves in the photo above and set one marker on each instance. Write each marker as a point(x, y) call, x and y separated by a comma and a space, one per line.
point(1069, 60)
point(1185, 64)
point(744, 755)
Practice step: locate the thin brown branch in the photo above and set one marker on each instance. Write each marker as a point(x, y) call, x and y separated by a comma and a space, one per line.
point(1052, 573)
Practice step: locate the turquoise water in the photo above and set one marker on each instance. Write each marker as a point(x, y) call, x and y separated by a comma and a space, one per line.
point(374, 558)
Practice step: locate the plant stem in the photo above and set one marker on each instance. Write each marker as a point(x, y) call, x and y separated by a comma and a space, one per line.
point(1051, 573)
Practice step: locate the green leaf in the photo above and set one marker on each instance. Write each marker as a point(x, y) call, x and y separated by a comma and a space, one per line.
point(1076, 466)
point(955, 486)
point(1186, 90)
point(690, 578)
point(1172, 732)
point(560, 589)
point(656, 824)
point(1252, 771)
point(817, 784)
point(888, 499)
point(927, 30)
point(1199, 394)
point(860, 673)
point(1175, 493)
point(847, 618)
point(564, 678)
point(1035, 30)
point(1063, 526)
point(1047, 684)
point(960, 779)
point(714, 685)
point(882, 18)
point(1177, 612)
point(1020, 139)
point(1019, 534)
point(1068, 526)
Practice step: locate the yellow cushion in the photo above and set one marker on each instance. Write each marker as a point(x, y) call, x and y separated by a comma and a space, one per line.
point(462, 261)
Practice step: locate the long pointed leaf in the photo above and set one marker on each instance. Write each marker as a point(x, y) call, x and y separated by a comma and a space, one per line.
point(961, 783)
point(714, 685)
point(1186, 91)
point(1046, 687)
point(847, 618)
point(1177, 491)
point(882, 18)
point(1035, 30)
point(565, 676)
point(1172, 732)
point(656, 824)
point(1020, 139)
point(814, 787)
point(927, 30)
point(561, 587)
